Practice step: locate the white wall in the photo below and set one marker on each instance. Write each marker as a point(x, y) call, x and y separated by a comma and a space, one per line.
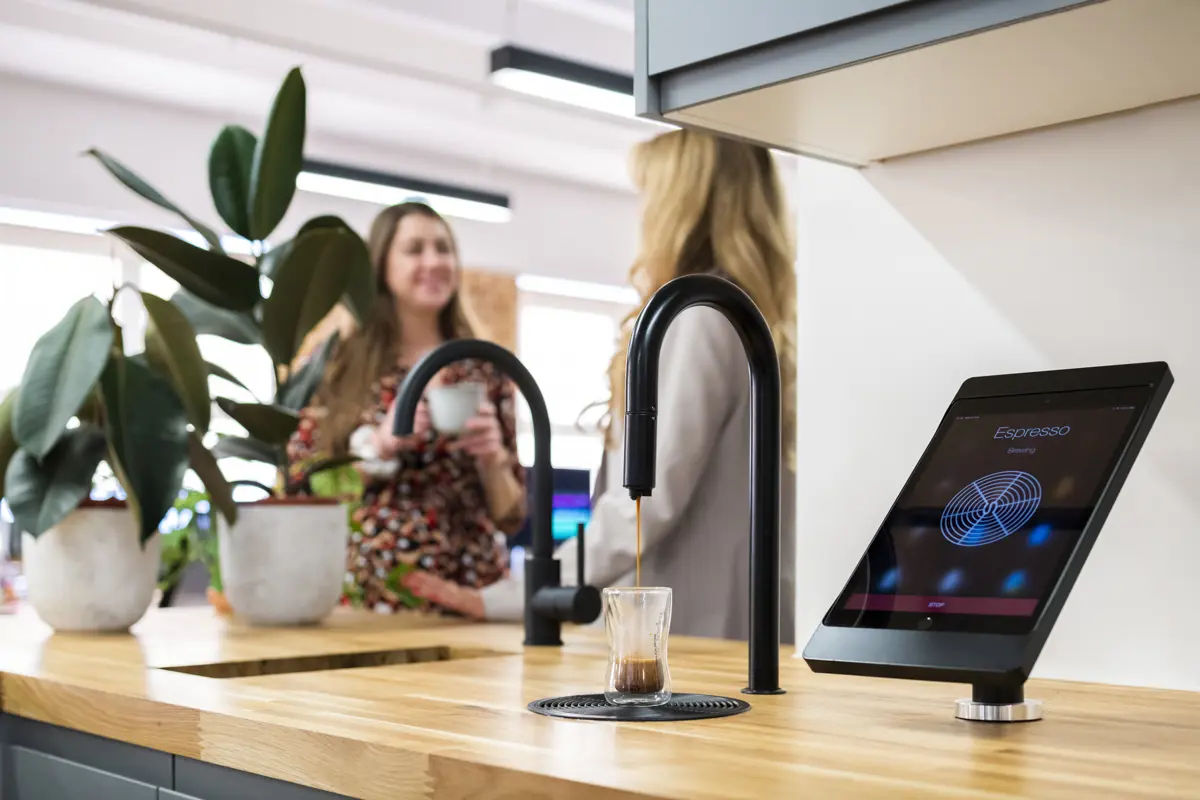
point(559, 229)
point(1066, 247)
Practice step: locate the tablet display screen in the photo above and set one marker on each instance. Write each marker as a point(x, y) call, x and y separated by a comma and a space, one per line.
point(985, 525)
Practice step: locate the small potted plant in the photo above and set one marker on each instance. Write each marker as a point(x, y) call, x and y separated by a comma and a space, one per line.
point(282, 559)
point(91, 565)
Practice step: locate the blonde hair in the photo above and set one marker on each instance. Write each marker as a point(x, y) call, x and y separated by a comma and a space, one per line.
point(715, 205)
point(371, 352)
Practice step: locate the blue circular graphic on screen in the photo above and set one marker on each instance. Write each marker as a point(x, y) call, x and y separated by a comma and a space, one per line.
point(990, 508)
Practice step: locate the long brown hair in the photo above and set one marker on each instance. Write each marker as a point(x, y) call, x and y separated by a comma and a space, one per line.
point(715, 205)
point(371, 352)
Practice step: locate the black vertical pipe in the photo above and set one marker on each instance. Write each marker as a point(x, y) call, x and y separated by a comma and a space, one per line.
point(541, 568)
point(641, 399)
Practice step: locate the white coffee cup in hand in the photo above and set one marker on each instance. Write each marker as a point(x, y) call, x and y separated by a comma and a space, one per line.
point(451, 406)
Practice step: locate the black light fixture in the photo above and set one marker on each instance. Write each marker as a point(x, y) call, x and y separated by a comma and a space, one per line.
point(562, 80)
point(383, 188)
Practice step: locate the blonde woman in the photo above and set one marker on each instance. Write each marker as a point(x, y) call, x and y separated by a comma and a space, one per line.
point(716, 206)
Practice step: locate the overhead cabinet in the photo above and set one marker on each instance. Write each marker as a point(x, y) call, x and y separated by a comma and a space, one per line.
point(860, 81)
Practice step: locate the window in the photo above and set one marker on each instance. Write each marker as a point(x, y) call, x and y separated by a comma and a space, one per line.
point(40, 284)
point(46, 272)
point(567, 344)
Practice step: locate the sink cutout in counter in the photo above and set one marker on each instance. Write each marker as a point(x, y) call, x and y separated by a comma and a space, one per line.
point(258, 667)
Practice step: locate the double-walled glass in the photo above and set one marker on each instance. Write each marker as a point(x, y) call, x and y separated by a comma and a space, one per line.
point(638, 621)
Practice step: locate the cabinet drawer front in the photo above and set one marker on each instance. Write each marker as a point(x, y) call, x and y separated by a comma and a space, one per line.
point(37, 776)
point(202, 781)
point(139, 764)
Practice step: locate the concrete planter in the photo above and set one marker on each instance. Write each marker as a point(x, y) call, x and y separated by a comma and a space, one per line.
point(284, 561)
point(89, 573)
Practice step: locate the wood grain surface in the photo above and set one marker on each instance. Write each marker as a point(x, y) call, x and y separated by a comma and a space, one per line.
point(424, 727)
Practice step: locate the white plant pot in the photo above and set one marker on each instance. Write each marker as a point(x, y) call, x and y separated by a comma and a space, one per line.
point(284, 563)
point(89, 573)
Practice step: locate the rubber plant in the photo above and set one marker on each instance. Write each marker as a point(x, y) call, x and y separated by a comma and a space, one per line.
point(271, 301)
point(82, 401)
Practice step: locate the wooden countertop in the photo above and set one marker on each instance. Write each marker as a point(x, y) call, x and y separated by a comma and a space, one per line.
point(460, 729)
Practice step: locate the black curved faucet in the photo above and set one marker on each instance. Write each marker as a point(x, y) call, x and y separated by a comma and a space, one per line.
point(548, 603)
point(641, 399)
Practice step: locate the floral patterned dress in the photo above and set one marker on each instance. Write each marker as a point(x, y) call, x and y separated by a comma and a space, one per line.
point(432, 513)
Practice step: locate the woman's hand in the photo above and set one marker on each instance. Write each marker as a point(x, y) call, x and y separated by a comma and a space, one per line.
point(387, 444)
point(463, 599)
point(482, 438)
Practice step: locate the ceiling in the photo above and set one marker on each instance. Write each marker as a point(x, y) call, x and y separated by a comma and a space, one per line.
point(408, 75)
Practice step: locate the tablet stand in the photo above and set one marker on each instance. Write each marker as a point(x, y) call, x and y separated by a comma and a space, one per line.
point(998, 703)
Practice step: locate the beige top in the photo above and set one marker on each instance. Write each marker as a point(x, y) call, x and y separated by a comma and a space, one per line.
point(696, 525)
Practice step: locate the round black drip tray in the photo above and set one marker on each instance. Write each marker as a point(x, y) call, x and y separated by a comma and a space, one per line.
point(680, 707)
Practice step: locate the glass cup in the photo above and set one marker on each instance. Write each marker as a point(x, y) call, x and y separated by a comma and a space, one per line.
point(638, 622)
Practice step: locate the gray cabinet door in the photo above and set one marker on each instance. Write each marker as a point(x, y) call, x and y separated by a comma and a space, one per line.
point(167, 794)
point(4, 726)
point(684, 32)
point(202, 781)
point(139, 764)
point(692, 52)
point(37, 776)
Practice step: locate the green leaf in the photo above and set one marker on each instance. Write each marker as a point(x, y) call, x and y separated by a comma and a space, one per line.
point(248, 449)
point(300, 387)
point(270, 424)
point(393, 582)
point(139, 186)
point(308, 282)
point(396, 574)
point(174, 558)
point(278, 157)
point(201, 542)
point(206, 318)
point(205, 466)
point(360, 285)
point(172, 350)
point(218, 371)
point(8, 442)
point(336, 481)
point(229, 166)
point(147, 428)
point(42, 495)
point(62, 369)
point(268, 262)
point(323, 221)
point(219, 279)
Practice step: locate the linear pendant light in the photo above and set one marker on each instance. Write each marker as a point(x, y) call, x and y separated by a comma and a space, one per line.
point(564, 81)
point(354, 183)
point(93, 226)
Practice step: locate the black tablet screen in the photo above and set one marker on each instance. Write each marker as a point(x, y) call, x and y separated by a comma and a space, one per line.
point(986, 523)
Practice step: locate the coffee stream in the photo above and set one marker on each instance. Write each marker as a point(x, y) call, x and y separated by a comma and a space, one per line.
point(638, 573)
point(638, 675)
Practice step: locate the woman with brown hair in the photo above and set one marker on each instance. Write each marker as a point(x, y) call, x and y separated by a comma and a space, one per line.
point(714, 206)
point(431, 502)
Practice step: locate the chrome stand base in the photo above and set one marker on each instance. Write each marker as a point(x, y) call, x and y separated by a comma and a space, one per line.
point(1022, 711)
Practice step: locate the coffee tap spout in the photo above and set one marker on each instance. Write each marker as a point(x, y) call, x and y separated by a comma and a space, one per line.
point(641, 401)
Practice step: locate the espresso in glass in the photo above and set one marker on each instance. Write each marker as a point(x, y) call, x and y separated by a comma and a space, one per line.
point(638, 622)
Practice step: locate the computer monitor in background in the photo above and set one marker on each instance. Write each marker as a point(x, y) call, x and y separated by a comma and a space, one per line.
point(571, 506)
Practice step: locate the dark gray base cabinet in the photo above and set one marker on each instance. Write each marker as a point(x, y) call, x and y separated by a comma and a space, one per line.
point(46, 762)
